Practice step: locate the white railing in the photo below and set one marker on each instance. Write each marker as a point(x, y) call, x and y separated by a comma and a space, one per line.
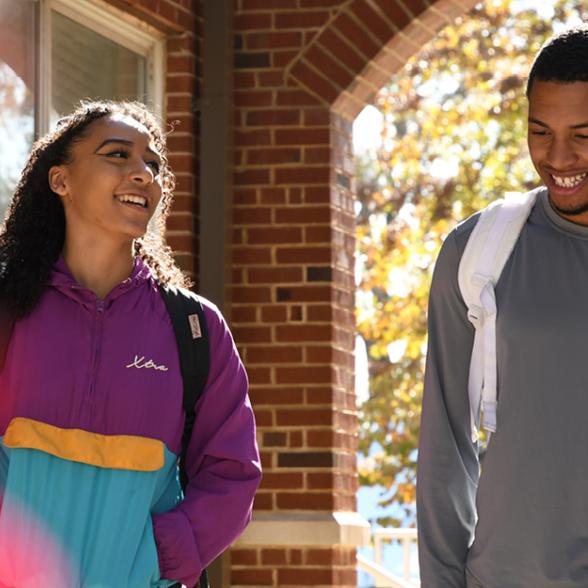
point(384, 578)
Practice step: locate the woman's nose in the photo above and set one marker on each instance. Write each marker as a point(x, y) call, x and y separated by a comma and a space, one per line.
point(142, 172)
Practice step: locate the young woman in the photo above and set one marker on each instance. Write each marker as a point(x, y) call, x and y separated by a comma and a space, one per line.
point(91, 414)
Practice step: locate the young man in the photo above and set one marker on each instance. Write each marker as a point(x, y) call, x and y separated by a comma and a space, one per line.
point(520, 521)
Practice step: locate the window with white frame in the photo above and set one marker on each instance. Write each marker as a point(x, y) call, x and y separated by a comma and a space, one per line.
point(54, 53)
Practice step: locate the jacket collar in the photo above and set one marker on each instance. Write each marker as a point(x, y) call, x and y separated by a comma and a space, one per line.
point(62, 279)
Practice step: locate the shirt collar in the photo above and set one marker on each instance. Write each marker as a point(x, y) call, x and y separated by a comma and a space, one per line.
point(559, 221)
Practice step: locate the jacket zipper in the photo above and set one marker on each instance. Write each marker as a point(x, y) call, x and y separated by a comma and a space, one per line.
point(96, 349)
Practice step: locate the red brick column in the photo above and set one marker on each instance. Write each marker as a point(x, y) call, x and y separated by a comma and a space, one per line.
point(292, 302)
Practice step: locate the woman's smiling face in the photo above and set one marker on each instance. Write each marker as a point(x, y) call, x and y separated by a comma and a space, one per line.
point(111, 186)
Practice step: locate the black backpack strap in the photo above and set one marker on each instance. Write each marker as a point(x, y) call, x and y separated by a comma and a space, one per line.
point(189, 324)
point(6, 328)
point(203, 581)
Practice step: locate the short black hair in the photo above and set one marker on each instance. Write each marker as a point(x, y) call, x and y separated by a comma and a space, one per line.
point(563, 58)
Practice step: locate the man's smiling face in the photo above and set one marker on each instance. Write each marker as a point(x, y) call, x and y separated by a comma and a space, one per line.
point(558, 144)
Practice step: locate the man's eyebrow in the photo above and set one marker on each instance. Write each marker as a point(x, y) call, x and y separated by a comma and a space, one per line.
point(120, 141)
point(542, 124)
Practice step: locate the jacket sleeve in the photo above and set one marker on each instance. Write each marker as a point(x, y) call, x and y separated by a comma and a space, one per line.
point(448, 465)
point(222, 464)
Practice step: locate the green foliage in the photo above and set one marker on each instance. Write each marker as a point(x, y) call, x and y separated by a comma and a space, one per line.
point(454, 139)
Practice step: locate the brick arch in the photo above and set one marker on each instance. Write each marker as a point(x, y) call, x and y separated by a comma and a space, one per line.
point(303, 69)
point(364, 44)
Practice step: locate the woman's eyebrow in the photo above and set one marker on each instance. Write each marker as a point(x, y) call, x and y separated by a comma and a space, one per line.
point(120, 141)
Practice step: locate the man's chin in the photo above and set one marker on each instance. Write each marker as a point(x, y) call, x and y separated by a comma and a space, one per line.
point(568, 210)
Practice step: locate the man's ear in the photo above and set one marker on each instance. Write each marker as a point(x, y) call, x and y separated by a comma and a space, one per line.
point(58, 180)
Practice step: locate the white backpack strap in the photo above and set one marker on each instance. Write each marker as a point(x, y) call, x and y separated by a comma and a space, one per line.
point(488, 248)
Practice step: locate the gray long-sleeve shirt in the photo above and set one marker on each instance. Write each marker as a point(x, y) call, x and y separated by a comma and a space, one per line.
point(521, 521)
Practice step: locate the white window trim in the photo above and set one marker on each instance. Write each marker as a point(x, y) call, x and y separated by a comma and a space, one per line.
point(111, 23)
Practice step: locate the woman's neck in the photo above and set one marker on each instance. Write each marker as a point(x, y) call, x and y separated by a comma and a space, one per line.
point(98, 268)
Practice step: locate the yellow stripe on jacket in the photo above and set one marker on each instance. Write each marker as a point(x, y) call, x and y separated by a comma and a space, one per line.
point(123, 452)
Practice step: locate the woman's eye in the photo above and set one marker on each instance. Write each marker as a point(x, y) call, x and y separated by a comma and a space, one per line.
point(118, 153)
point(539, 133)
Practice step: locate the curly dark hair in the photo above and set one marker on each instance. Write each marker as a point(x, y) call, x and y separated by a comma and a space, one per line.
point(563, 58)
point(33, 233)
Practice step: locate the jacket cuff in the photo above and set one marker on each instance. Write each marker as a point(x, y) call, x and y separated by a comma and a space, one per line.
point(177, 552)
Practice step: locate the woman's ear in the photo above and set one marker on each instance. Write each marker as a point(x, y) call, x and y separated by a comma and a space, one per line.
point(57, 180)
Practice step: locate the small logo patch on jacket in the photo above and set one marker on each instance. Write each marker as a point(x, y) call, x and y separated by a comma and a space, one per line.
point(140, 363)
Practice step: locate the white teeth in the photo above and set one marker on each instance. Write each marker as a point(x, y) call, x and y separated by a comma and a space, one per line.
point(568, 181)
point(133, 199)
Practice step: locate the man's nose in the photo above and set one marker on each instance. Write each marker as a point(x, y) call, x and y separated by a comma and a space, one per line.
point(561, 154)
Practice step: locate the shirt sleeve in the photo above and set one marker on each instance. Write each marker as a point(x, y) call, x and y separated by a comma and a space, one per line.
point(448, 465)
point(222, 464)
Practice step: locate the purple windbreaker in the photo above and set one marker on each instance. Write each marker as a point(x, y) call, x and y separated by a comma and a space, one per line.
point(100, 369)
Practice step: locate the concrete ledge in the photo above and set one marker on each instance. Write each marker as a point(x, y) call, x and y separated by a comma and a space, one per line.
point(281, 529)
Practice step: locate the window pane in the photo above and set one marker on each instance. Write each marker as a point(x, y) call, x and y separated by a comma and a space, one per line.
point(88, 65)
point(17, 76)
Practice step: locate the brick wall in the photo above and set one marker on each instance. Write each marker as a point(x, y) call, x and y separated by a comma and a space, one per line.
point(293, 567)
point(183, 89)
point(284, 271)
point(292, 288)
